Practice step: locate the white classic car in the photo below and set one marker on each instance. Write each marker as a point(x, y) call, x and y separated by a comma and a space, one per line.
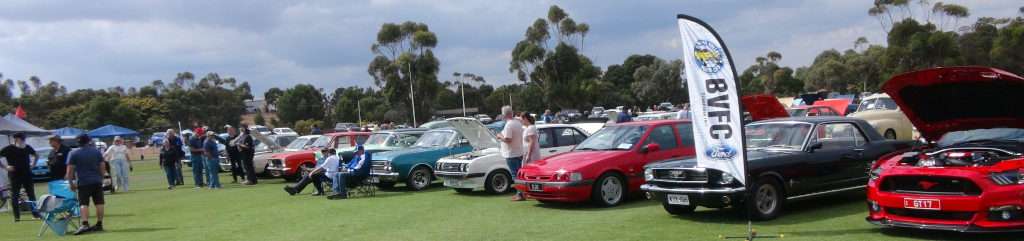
point(882, 113)
point(484, 168)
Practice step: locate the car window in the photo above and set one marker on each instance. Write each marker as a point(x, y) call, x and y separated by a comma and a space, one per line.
point(361, 139)
point(343, 141)
point(580, 137)
point(685, 134)
point(544, 138)
point(839, 136)
point(565, 137)
point(663, 136)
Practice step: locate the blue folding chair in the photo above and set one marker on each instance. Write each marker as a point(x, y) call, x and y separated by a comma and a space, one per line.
point(59, 208)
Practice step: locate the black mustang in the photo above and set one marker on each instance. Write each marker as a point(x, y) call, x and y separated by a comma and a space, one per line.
point(787, 158)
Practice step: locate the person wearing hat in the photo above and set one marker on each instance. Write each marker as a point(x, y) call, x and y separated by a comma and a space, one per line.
point(328, 166)
point(86, 170)
point(19, 169)
point(356, 170)
point(58, 160)
point(212, 156)
point(117, 156)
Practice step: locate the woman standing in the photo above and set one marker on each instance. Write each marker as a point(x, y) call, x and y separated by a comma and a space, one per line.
point(531, 146)
point(117, 156)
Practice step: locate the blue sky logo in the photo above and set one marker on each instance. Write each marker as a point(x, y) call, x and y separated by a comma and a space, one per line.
point(709, 56)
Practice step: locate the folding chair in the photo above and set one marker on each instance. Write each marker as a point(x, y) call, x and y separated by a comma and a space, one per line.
point(365, 188)
point(57, 214)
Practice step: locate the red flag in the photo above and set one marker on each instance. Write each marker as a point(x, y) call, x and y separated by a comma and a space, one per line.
point(20, 112)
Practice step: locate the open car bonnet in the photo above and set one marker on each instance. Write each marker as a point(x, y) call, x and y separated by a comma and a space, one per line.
point(478, 135)
point(839, 105)
point(762, 107)
point(942, 100)
point(265, 140)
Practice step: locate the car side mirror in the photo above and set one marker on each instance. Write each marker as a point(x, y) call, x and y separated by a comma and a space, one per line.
point(653, 147)
point(815, 146)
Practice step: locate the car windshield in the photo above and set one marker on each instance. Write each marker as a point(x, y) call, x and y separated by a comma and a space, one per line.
point(322, 141)
point(982, 135)
point(377, 139)
point(434, 138)
point(298, 143)
point(785, 135)
point(877, 104)
point(613, 138)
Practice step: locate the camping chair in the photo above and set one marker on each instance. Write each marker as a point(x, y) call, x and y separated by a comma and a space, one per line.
point(366, 188)
point(58, 209)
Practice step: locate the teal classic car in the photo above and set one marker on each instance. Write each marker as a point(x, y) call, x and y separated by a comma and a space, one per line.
point(382, 141)
point(414, 165)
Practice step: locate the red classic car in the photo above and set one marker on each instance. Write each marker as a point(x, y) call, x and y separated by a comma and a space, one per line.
point(609, 165)
point(292, 165)
point(970, 175)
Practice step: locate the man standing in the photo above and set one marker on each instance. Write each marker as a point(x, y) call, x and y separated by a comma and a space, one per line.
point(316, 130)
point(511, 138)
point(195, 147)
point(19, 169)
point(234, 157)
point(211, 155)
point(58, 160)
point(86, 170)
point(246, 147)
point(548, 118)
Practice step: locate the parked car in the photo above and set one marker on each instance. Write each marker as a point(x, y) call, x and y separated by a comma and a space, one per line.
point(157, 139)
point(293, 165)
point(484, 118)
point(343, 127)
point(838, 105)
point(787, 158)
point(881, 111)
point(263, 130)
point(285, 131)
point(569, 115)
point(435, 124)
point(42, 171)
point(608, 166)
point(666, 106)
point(597, 112)
point(811, 110)
point(484, 168)
point(261, 159)
point(415, 165)
point(970, 175)
point(382, 141)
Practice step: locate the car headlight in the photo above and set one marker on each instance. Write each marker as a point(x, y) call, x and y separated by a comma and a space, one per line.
point(648, 174)
point(1007, 177)
point(726, 179)
point(464, 167)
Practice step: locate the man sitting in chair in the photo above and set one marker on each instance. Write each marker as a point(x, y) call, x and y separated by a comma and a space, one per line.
point(317, 176)
point(355, 172)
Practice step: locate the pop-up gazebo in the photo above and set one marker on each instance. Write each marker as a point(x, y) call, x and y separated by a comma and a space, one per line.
point(112, 131)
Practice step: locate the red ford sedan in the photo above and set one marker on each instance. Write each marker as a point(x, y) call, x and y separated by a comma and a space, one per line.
point(970, 175)
point(608, 166)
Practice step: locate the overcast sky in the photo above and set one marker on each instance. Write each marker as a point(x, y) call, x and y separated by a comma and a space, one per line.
point(100, 44)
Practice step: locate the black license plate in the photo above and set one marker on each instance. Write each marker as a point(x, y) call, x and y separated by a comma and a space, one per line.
point(536, 187)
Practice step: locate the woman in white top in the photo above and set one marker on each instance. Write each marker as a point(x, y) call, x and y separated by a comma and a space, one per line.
point(531, 146)
point(117, 156)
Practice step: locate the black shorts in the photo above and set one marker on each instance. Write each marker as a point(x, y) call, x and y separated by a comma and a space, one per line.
point(92, 192)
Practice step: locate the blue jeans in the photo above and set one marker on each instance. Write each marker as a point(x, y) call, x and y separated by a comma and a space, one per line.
point(172, 175)
point(338, 184)
point(213, 172)
point(514, 163)
point(121, 169)
point(197, 169)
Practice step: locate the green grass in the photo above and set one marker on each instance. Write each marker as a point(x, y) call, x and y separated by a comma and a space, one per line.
point(264, 212)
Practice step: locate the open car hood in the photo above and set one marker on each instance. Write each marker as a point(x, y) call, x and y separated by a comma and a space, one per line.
point(942, 100)
point(763, 107)
point(265, 140)
point(479, 136)
point(839, 105)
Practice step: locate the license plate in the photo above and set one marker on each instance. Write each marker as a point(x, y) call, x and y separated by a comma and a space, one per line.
point(452, 182)
point(536, 187)
point(928, 204)
point(677, 199)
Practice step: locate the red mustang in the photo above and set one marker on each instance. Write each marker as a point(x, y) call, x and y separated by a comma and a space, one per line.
point(970, 175)
point(607, 166)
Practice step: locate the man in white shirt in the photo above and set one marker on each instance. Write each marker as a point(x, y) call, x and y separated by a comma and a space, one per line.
point(511, 138)
point(326, 169)
point(357, 169)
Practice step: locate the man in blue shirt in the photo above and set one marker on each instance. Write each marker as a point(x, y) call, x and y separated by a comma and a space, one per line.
point(195, 147)
point(86, 170)
point(211, 155)
point(357, 169)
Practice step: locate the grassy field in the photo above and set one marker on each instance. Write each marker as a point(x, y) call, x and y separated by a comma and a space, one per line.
point(264, 212)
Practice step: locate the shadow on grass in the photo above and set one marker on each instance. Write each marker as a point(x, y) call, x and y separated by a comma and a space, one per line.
point(795, 212)
point(137, 230)
point(591, 207)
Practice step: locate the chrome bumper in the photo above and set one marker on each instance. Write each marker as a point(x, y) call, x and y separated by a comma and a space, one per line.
point(653, 188)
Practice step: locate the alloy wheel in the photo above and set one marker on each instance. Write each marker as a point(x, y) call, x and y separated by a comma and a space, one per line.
point(611, 190)
point(767, 199)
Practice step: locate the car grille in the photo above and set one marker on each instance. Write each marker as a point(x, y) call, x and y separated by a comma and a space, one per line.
point(276, 163)
point(929, 185)
point(931, 214)
point(379, 167)
point(449, 167)
point(680, 175)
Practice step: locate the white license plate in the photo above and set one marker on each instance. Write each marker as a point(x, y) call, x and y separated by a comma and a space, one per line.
point(536, 187)
point(678, 199)
point(452, 182)
point(927, 204)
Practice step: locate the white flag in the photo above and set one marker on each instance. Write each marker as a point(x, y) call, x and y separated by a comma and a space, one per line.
point(714, 99)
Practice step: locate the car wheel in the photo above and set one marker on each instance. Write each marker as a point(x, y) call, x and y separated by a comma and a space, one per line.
point(498, 182)
point(678, 209)
point(305, 169)
point(890, 134)
point(609, 190)
point(386, 185)
point(419, 179)
point(768, 200)
point(463, 190)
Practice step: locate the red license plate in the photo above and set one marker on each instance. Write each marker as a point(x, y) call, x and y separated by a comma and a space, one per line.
point(927, 204)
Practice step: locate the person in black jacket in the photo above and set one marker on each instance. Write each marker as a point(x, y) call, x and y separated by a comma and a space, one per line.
point(234, 156)
point(19, 169)
point(246, 148)
point(58, 160)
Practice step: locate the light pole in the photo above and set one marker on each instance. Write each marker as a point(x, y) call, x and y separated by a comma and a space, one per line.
point(412, 96)
point(359, 111)
point(463, 92)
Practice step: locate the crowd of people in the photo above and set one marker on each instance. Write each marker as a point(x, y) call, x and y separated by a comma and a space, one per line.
point(203, 145)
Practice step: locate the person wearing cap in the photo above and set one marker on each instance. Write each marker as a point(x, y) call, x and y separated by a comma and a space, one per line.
point(212, 156)
point(86, 170)
point(58, 160)
point(19, 169)
point(117, 156)
point(195, 147)
point(356, 170)
point(318, 174)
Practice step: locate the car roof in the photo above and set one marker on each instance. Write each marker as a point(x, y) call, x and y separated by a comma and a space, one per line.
point(539, 126)
point(810, 119)
point(652, 122)
point(348, 133)
point(403, 130)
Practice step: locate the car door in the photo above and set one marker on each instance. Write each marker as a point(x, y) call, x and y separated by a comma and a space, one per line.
point(839, 159)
